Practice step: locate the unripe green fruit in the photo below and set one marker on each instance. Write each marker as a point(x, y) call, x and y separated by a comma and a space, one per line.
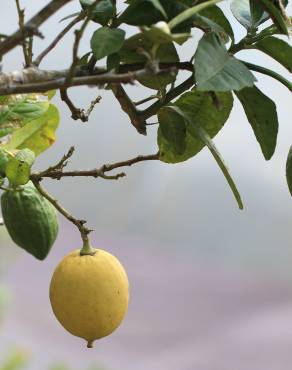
point(30, 219)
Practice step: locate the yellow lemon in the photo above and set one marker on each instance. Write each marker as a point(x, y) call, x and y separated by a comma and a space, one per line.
point(89, 294)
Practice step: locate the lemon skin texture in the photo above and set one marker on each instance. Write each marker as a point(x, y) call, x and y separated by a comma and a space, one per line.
point(90, 294)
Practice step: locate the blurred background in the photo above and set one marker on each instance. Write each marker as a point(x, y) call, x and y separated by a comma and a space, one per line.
point(210, 285)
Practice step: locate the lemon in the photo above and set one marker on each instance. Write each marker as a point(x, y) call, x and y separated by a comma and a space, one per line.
point(89, 294)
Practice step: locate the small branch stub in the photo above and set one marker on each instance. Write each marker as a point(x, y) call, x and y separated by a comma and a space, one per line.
point(87, 250)
point(90, 344)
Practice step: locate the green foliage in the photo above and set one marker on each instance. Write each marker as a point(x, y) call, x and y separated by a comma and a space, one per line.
point(276, 15)
point(190, 114)
point(214, 18)
point(209, 111)
point(38, 134)
point(18, 110)
point(220, 73)
point(103, 11)
point(165, 53)
point(18, 167)
point(262, 115)
point(106, 41)
point(249, 14)
point(148, 12)
point(277, 49)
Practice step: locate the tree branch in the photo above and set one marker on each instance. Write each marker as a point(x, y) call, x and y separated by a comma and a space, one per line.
point(20, 13)
point(84, 231)
point(59, 37)
point(56, 172)
point(129, 108)
point(33, 80)
point(78, 36)
point(31, 27)
point(172, 94)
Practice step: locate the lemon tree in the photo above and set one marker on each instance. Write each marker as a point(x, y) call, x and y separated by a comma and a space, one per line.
point(141, 42)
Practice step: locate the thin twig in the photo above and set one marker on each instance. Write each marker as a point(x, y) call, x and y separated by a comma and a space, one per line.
point(59, 37)
point(63, 161)
point(146, 100)
point(78, 36)
point(20, 13)
point(172, 94)
point(56, 172)
point(78, 113)
point(92, 105)
point(30, 28)
point(84, 231)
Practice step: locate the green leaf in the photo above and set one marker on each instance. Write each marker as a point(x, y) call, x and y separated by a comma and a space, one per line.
point(106, 41)
point(270, 73)
point(37, 135)
point(21, 110)
point(166, 53)
point(198, 132)
point(73, 15)
point(173, 129)
point(188, 13)
point(249, 16)
point(216, 70)
point(208, 110)
point(30, 110)
point(289, 170)
point(113, 62)
point(261, 113)
point(103, 11)
point(6, 131)
point(144, 13)
point(217, 19)
point(276, 16)
point(277, 49)
point(159, 7)
point(18, 167)
point(141, 13)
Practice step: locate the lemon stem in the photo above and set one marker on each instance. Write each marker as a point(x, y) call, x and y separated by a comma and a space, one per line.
point(87, 249)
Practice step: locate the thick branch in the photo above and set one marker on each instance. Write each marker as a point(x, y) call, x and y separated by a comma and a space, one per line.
point(31, 27)
point(129, 108)
point(34, 81)
point(35, 75)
